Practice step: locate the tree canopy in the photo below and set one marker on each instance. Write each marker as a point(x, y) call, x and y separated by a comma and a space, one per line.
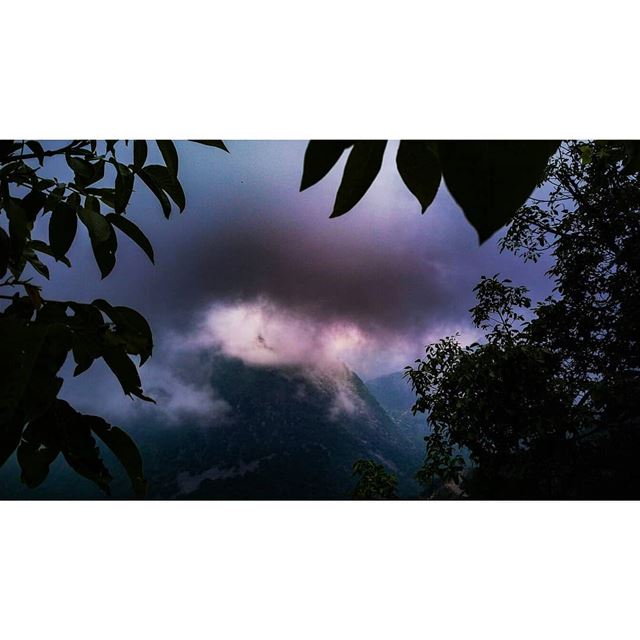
point(547, 405)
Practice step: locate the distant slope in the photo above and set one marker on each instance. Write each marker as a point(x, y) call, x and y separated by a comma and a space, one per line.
point(291, 434)
point(394, 394)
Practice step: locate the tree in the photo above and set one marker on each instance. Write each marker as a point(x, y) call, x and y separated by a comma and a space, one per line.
point(547, 405)
point(375, 482)
point(37, 334)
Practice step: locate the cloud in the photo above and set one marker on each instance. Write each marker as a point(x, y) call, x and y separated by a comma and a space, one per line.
point(180, 400)
point(370, 288)
point(261, 333)
point(178, 380)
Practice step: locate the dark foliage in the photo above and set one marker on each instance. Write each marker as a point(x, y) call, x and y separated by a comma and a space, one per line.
point(490, 180)
point(374, 481)
point(37, 334)
point(548, 405)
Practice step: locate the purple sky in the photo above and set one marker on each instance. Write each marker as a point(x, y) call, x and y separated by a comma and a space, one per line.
point(252, 262)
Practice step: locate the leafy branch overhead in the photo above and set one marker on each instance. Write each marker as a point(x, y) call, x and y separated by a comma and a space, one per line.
point(36, 334)
point(490, 180)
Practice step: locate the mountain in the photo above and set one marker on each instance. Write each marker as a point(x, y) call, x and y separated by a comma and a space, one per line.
point(394, 393)
point(290, 433)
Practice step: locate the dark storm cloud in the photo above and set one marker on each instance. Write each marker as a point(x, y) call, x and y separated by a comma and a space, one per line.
point(248, 233)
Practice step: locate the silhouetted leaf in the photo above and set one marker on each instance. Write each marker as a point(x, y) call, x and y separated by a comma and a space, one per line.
point(169, 155)
point(124, 448)
point(419, 168)
point(36, 149)
point(490, 180)
point(103, 239)
point(34, 294)
point(18, 226)
point(4, 252)
point(122, 366)
point(43, 247)
point(133, 231)
point(36, 263)
point(124, 188)
point(163, 179)
point(213, 143)
point(97, 225)
point(85, 172)
point(33, 203)
point(132, 330)
point(139, 153)
point(156, 189)
point(31, 356)
point(62, 229)
point(105, 254)
point(38, 448)
point(10, 433)
point(319, 158)
point(362, 167)
point(54, 197)
point(78, 445)
point(7, 147)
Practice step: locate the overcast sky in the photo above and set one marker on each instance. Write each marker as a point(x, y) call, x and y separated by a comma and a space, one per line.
point(253, 263)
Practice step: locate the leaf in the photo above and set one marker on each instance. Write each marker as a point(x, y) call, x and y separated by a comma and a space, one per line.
point(362, 167)
point(139, 154)
point(213, 143)
point(33, 203)
point(34, 293)
point(157, 191)
point(87, 315)
point(131, 327)
point(10, 432)
point(31, 356)
point(103, 238)
point(82, 357)
point(5, 246)
point(43, 247)
point(169, 155)
point(125, 370)
point(319, 158)
point(124, 189)
point(97, 225)
point(133, 231)
point(38, 448)
point(36, 263)
point(490, 180)
point(18, 226)
point(78, 445)
point(105, 254)
point(63, 225)
point(164, 180)
point(89, 329)
point(125, 449)
point(7, 147)
point(136, 331)
point(106, 195)
point(419, 168)
point(85, 173)
point(36, 149)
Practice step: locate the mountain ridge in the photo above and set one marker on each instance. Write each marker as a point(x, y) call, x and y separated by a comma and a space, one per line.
point(292, 433)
